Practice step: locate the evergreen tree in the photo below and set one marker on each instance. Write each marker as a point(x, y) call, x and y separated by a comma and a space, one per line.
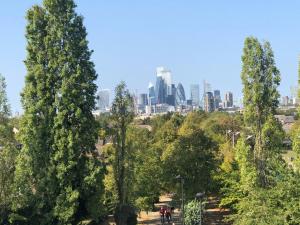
point(260, 79)
point(58, 174)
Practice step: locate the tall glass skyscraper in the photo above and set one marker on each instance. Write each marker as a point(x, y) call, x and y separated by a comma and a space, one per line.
point(195, 94)
point(209, 102)
point(228, 100)
point(151, 94)
point(180, 95)
point(217, 97)
point(160, 90)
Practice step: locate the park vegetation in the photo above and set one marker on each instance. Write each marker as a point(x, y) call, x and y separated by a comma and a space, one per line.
point(51, 171)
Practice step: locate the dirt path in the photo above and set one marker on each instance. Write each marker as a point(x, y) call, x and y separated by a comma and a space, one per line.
point(153, 218)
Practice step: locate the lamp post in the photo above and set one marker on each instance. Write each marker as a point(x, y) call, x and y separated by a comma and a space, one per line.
point(199, 196)
point(182, 197)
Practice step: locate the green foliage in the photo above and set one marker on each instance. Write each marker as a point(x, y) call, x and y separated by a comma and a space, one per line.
point(260, 79)
point(58, 177)
point(8, 154)
point(192, 213)
point(122, 114)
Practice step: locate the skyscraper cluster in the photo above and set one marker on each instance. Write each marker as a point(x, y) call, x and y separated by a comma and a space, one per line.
point(164, 96)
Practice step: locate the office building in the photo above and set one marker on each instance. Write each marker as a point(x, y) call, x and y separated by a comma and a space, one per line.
point(209, 102)
point(160, 91)
point(103, 100)
point(228, 102)
point(285, 100)
point(151, 94)
point(167, 77)
point(195, 95)
point(217, 98)
point(180, 95)
point(143, 99)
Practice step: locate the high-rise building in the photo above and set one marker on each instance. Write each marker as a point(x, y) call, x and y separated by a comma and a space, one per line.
point(206, 88)
point(143, 99)
point(180, 95)
point(151, 94)
point(164, 89)
point(285, 100)
point(195, 94)
point(228, 102)
point(217, 98)
point(160, 90)
point(167, 77)
point(171, 97)
point(209, 102)
point(103, 99)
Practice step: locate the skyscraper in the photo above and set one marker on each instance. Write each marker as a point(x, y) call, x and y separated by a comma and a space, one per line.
point(167, 77)
point(164, 89)
point(217, 98)
point(143, 99)
point(151, 94)
point(160, 90)
point(228, 100)
point(195, 94)
point(103, 99)
point(171, 97)
point(180, 95)
point(209, 102)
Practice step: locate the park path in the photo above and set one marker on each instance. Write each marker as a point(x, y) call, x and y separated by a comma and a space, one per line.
point(213, 215)
point(153, 218)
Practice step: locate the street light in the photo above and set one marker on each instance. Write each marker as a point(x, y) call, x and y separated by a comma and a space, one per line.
point(199, 197)
point(182, 197)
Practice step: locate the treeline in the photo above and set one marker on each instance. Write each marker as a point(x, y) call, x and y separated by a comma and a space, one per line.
point(52, 173)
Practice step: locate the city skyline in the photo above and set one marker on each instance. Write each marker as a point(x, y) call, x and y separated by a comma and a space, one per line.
point(199, 44)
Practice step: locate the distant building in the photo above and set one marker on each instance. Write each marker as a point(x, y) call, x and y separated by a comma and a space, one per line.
point(160, 91)
point(143, 99)
point(189, 102)
point(103, 100)
point(171, 97)
point(195, 95)
point(217, 98)
point(285, 100)
point(167, 77)
point(209, 102)
point(180, 95)
point(228, 102)
point(151, 94)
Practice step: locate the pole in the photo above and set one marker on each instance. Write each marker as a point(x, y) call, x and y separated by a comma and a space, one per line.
point(182, 200)
point(200, 212)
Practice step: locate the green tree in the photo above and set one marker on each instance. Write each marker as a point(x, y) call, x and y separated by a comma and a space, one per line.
point(260, 79)
point(8, 153)
point(122, 115)
point(191, 155)
point(58, 130)
point(192, 213)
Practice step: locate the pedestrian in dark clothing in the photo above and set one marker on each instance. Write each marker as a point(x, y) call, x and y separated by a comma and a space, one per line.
point(168, 215)
point(162, 213)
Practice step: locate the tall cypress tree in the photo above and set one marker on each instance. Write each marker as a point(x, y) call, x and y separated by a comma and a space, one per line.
point(33, 180)
point(260, 78)
point(63, 177)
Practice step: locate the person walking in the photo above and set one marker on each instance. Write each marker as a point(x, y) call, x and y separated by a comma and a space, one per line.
point(162, 213)
point(168, 215)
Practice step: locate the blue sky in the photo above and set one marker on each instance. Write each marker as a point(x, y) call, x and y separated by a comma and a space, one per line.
point(195, 39)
